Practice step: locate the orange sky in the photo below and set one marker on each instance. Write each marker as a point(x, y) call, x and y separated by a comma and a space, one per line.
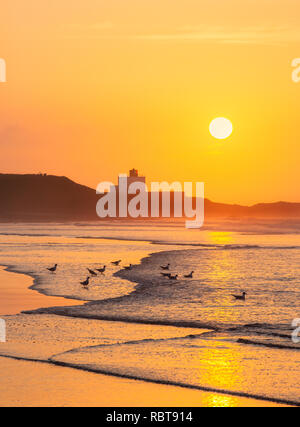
point(97, 87)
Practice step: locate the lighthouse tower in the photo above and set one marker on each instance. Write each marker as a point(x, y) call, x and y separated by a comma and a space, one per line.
point(134, 177)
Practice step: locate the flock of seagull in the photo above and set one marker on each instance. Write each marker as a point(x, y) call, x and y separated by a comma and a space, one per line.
point(93, 273)
point(190, 276)
point(165, 274)
point(174, 277)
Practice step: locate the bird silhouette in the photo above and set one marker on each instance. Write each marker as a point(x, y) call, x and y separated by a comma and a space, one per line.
point(240, 297)
point(52, 269)
point(101, 270)
point(86, 282)
point(92, 273)
point(189, 276)
point(166, 274)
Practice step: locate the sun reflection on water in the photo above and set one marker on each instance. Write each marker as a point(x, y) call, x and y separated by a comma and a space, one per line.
point(220, 237)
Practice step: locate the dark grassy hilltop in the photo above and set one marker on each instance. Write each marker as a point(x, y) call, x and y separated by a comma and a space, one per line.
point(45, 198)
point(48, 198)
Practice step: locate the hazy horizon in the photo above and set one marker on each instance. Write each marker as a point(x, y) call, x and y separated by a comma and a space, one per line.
point(114, 181)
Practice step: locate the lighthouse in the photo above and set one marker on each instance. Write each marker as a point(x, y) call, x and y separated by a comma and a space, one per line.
point(133, 177)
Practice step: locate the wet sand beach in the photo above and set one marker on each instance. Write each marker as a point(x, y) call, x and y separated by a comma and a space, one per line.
point(16, 295)
point(32, 383)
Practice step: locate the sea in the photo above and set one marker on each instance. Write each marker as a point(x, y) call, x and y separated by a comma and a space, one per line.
point(190, 332)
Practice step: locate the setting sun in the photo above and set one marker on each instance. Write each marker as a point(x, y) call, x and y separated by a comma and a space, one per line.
point(221, 128)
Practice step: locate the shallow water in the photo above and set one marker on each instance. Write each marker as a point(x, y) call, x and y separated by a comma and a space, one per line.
point(217, 363)
point(266, 266)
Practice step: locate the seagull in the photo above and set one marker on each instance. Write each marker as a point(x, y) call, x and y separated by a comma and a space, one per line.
point(240, 297)
point(52, 269)
point(173, 277)
point(86, 282)
point(189, 276)
point(129, 267)
point(92, 273)
point(165, 267)
point(101, 270)
point(116, 262)
point(166, 274)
